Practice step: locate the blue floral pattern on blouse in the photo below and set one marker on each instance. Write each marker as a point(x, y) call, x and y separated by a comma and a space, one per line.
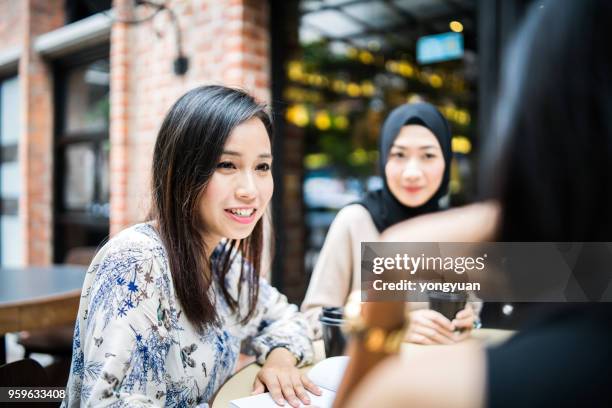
point(134, 347)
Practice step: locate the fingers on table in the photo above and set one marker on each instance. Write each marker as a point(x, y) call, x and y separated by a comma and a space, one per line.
point(258, 386)
point(299, 389)
point(274, 387)
point(288, 390)
point(310, 386)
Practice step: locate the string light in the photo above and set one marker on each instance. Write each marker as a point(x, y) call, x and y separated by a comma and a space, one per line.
point(392, 66)
point(315, 161)
point(456, 26)
point(367, 88)
point(341, 122)
point(358, 157)
point(461, 144)
point(295, 71)
point(435, 80)
point(322, 120)
point(353, 90)
point(298, 115)
point(406, 69)
point(366, 57)
point(339, 86)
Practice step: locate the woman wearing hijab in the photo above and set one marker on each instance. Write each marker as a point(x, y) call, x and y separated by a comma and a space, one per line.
point(415, 155)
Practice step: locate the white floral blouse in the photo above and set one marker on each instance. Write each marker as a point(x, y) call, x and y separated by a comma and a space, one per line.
point(133, 346)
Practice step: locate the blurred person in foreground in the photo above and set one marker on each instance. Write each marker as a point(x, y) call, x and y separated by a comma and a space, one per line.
point(415, 156)
point(553, 133)
point(167, 303)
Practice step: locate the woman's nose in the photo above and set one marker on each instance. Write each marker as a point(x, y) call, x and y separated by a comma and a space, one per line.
point(246, 190)
point(412, 171)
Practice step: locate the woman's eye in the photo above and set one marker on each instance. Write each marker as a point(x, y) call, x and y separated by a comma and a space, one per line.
point(397, 154)
point(226, 165)
point(263, 167)
point(430, 156)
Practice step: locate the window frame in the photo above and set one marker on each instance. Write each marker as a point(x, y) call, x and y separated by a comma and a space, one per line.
point(63, 217)
point(8, 207)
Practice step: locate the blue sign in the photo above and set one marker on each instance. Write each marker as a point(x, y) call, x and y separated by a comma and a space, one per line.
point(439, 47)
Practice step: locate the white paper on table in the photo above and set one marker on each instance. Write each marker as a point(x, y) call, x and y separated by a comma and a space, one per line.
point(327, 374)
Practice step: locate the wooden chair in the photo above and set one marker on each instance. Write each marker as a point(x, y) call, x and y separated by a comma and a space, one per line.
point(56, 341)
point(23, 373)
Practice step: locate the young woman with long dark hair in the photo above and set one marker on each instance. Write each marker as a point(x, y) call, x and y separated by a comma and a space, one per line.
point(167, 303)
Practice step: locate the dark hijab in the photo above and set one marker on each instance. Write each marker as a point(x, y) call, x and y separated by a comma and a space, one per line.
point(383, 207)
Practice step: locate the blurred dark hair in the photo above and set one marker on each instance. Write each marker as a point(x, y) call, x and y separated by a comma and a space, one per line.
point(187, 151)
point(552, 133)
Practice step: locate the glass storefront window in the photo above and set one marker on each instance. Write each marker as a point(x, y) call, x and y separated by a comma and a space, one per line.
point(84, 141)
point(79, 176)
point(11, 234)
point(82, 147)
point(87, 108)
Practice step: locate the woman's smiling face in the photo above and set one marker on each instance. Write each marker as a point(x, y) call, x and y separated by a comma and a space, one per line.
point(240, 189)
point(415, 167)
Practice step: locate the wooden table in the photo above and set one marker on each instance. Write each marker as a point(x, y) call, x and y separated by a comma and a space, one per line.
point(240, 384)
point(38, 297)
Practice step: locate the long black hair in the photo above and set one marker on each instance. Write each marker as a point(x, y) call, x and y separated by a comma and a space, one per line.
point(553, 127)
point(188, 147)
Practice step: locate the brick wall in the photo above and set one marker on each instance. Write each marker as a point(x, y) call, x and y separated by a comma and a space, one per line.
point(11, 24)
point(36, 141)
point(226, 42)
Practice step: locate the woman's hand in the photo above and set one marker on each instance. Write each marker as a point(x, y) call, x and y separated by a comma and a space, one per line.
point(284, 381)
point(464, 322)
point(430, 327)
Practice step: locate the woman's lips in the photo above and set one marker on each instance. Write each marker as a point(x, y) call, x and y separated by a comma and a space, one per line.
point(413, 190)
point(241, 219)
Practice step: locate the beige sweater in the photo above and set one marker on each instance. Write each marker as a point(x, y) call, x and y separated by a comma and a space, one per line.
point(338, 270)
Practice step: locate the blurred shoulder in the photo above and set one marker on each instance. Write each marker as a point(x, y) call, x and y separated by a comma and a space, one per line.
point(471, 223)
point(354, 213)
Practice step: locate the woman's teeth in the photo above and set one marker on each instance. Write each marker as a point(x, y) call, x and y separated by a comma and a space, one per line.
point(243, 212)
